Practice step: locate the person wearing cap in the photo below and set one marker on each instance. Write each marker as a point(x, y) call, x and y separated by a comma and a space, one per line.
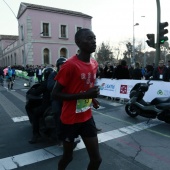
point(56, 105)
point(161, 72)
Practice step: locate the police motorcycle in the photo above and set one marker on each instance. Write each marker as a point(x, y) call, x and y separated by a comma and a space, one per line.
point(158, 108)
point(46, 122)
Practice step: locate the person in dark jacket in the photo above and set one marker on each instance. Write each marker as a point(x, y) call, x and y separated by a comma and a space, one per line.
point(161, 72)
point(168, 67)
point(30, 74)
point(137, 73)
point(39, 74)
point(109, 71)
point(46, 101)
point(131, 68)
point(51, 77)
point(121, 71)
point(56, 104)
point(149, 72)
point(100, 72)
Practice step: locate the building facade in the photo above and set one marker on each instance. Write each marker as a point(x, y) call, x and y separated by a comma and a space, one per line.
point(45, 34)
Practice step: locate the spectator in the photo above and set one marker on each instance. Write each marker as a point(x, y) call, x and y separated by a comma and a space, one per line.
point(131, 71)
point(39, 74)
point(161, 72)
point(149, 72)
point(168, 70)
point(137, 73)
point(109, 71)
point(143, 70)
point(31, 73)
point(122, 72)
point(100, 71)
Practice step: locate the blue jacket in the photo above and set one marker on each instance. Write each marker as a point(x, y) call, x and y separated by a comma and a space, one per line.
point(51, 81)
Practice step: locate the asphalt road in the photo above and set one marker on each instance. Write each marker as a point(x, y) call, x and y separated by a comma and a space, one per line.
point(125, 143)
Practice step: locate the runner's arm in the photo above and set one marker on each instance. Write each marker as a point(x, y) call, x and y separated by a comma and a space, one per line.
point(57, 93)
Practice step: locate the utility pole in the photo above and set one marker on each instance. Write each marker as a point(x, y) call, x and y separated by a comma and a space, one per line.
point(158, 30)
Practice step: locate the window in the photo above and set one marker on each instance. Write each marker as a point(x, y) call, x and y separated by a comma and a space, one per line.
point(45, 29)
point(63, 52)
point(46, 56)
point(63, 31)
point(22, 33)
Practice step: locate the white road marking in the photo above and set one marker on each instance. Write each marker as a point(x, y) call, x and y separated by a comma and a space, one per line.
point(10, 108)
point(20, 119)
point(53, 151)
point(19, 96)
point(24, 89)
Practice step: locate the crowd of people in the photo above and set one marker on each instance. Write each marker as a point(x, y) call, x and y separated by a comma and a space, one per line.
point(135, 71)
point(8, 73)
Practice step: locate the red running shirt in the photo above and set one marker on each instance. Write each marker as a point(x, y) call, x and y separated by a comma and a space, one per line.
point(76, 76)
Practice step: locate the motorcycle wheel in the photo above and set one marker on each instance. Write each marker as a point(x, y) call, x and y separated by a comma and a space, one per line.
point(130, 110)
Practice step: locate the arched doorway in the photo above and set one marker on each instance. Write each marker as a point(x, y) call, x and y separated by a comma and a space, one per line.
point(63, 52)
point(46, 56)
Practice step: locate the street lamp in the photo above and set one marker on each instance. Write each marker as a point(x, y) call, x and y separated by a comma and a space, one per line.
point(144, 57)
point(133, 52)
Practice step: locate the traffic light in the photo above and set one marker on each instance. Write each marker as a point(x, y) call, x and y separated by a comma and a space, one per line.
point(151, 40)
point(162, 32)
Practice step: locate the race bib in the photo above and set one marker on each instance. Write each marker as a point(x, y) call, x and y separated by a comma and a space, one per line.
point(83, 105)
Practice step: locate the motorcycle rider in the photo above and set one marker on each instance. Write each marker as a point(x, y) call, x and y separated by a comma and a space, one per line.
point(38, 111)
point(51, 77)
point(56, 105)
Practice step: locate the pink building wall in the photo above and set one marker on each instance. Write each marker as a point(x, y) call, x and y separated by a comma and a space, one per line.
point(53, 42)
point(31, 48)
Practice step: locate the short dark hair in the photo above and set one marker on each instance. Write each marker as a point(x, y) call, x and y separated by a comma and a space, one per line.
point(123, 62)
point(79, 34)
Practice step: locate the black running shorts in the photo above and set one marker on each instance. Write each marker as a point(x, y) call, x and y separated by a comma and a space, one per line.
point(85, 129)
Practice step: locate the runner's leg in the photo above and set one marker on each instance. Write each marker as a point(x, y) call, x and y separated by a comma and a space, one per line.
point(67, 155)
point(92, 147)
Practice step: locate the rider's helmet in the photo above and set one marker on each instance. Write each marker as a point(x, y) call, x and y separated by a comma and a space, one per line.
point(60, 61)
point(47, 72)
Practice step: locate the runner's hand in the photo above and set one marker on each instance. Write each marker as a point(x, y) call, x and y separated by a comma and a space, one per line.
point(93, 92)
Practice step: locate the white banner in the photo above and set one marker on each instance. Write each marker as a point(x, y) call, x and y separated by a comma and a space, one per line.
point(121, 88)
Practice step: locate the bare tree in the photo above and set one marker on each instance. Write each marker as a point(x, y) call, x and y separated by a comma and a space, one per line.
point(104, 53)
